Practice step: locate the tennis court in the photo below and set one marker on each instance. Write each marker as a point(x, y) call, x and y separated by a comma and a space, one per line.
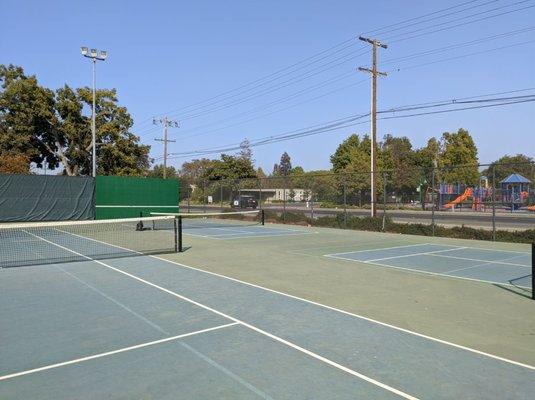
point(487, 265)
point(110, 310)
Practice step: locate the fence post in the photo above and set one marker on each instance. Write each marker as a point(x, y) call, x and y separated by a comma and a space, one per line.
point(312, 205)
point(221, 194)
point(494, 203)
point(345, 202)
point(533, 271)
point(433, 201)
point(284, 200)
point(189, 197)
point(384, 200)
point(204, 195)
point(260, 193)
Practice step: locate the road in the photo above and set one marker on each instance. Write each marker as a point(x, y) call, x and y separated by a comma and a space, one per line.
point(504, 220)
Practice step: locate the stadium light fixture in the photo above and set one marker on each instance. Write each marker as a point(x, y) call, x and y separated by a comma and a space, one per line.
point(94, 56)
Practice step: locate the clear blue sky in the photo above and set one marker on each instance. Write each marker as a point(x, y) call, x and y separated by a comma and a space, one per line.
point(164, 55)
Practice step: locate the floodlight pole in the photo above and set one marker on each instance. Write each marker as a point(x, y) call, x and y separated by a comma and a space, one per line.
point(94, 55)
point(93, 119)
point(373, 117)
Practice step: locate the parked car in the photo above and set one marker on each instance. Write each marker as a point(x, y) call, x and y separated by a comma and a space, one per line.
point(244, 202)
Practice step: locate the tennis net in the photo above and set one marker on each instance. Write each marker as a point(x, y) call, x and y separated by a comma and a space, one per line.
point(210, 224)
point(55, 242)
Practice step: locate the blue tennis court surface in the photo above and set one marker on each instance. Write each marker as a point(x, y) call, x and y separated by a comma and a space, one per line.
point(219, 230)
point(488, 265)
point(146, 327)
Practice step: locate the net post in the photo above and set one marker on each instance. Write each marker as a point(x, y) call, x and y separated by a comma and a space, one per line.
point(262, 217)
point(178, 233)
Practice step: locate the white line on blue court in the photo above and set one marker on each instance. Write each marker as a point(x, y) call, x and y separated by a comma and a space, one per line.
point(237, 321)
point(381, 248)
point(493, 261)
point(419, 271)
point(339, 310)
point(109, 353)
point(413, 254)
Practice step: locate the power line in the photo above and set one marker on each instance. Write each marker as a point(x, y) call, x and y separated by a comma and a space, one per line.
point(349, 121)
point(342, 46)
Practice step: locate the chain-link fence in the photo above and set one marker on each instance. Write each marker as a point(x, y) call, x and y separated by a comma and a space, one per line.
point(486, 198)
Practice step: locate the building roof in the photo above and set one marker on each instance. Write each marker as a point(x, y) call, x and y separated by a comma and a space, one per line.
point(516, 178)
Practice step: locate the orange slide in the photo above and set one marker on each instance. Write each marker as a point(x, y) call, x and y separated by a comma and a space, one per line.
point(467, 193)
point(531, 208)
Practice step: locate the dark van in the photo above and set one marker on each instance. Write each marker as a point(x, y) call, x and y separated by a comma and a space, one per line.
point(244, 202)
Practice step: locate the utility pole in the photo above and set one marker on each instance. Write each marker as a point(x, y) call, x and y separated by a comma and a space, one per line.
point(166, 123)
point(373, 71)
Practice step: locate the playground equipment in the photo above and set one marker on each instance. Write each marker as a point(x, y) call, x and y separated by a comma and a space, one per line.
point(453, 195)
point(515, 191)
point(463, 197)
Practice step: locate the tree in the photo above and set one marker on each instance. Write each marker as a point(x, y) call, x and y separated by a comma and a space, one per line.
point(285, 165)
point(50, 126)
point(400, 158)
point(27, 116)
point(426, 159)
point(352, 160)
point(260, 173)
point(118, 150)
point(507, 165)
point(231, 168)
point(342, 156)
point(157, 172)
point(275, 170)
point(245, 150)
point(194, 171)
point(14, 164)
point(458, 160)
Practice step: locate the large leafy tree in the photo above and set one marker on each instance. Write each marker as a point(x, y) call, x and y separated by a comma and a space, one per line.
point(231, 168)
point(194, 171)
point(426, 159)
point(458, 160)
point(344, 153)
point(507, 165)
point(118, 149)
point(157, 172)
point(400, 159)
point(352, 160)
point(52, 127)
point(14, 164)
point(27, 116)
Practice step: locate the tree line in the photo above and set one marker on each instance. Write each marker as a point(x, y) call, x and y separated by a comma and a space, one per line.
point(52, 128)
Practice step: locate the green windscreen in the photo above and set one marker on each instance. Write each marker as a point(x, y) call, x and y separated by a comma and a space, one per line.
point(129, 197)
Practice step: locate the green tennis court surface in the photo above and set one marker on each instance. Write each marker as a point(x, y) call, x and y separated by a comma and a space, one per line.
point(268, 316)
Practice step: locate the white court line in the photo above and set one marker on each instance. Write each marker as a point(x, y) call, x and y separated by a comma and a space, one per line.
point(339, 310)
point(419, 271)
point(413, 254)
point(109, 353)
point(487, 262)
point(383, 248)
point(493, 261)
point(237, 321)
point(252, 236)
